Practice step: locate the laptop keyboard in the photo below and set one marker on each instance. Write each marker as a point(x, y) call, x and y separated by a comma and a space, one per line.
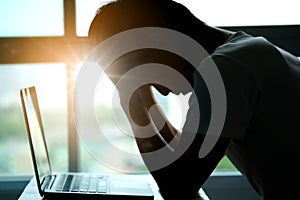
point(81, 183)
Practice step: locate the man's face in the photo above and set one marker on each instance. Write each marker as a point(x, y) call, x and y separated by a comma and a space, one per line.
point(167, 72)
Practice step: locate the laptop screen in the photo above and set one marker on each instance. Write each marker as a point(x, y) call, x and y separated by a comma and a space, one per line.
point(35, 132)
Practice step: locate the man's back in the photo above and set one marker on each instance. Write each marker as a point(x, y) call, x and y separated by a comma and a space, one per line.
point(263, 92)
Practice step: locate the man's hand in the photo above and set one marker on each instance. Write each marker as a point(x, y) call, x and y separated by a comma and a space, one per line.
point(150, 126)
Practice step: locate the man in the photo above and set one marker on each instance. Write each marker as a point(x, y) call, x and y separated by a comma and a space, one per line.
point(261, 130)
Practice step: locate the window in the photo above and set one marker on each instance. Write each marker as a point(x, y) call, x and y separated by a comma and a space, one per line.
point(50, 81)
point(43, 42)
point(31, 18)
point(245, 12)
point(216, 13)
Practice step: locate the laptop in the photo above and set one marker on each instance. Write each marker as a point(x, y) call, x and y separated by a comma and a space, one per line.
point(77, 185)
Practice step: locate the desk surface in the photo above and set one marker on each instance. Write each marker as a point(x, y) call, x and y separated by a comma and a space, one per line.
point(31, 193)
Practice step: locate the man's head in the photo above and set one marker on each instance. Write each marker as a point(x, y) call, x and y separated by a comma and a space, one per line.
point(121, 15)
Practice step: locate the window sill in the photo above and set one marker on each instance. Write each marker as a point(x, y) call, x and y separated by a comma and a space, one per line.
point(229, 185)
point(11, 187)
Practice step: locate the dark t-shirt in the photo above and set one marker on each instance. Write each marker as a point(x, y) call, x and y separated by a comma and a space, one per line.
point(262, 119)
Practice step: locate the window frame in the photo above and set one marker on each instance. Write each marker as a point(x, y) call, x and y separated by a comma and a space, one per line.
point(71, 49)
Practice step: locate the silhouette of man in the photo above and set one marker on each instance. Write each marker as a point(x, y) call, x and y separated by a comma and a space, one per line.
point(261, 129)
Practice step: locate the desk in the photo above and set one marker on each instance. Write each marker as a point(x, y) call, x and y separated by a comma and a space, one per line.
point(31, 193)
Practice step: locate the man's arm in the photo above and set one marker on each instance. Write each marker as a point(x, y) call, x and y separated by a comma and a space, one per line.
point(151, 128)
point(144, 109)
point(182, 178)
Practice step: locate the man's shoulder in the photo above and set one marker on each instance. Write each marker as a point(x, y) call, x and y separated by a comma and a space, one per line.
point(242, 44)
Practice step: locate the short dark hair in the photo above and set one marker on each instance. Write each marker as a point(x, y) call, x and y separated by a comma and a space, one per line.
point(120, 15)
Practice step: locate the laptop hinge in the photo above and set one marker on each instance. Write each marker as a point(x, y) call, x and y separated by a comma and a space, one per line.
point(47, 181)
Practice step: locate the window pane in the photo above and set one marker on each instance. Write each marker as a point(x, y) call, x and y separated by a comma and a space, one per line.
point(213, 12)
point(50, 82)
point(31, 18)
point(245, 12)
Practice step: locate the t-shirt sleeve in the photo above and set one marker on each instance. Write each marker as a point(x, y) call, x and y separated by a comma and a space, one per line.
point(241, 96)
